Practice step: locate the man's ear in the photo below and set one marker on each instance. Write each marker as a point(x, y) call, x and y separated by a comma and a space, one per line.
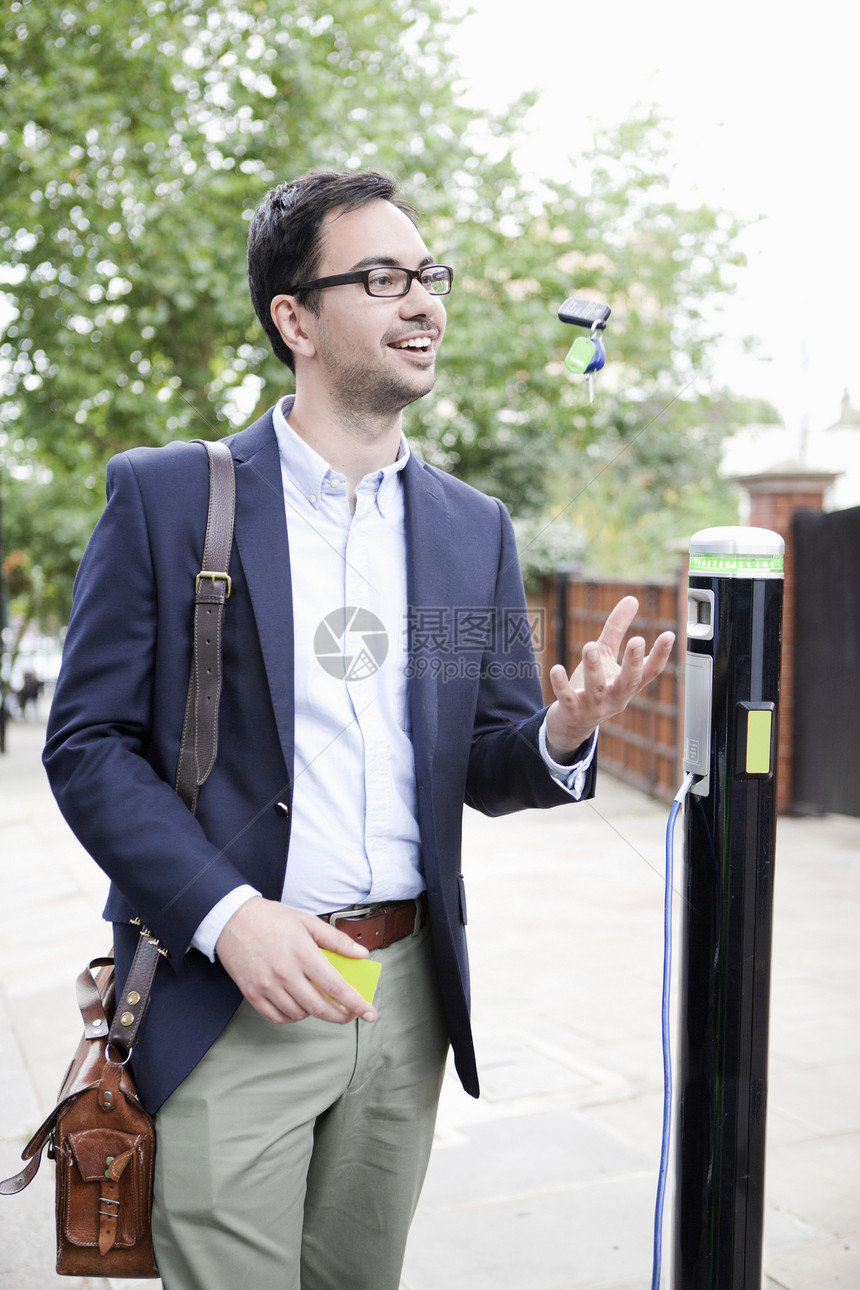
point(289, 317)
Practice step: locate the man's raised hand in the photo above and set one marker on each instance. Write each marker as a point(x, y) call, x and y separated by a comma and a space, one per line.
point(602, 686)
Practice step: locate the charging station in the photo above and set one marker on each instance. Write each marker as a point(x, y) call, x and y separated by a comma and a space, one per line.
point(734, 624)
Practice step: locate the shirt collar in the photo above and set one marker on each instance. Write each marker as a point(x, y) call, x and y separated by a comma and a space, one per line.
point(312, 474)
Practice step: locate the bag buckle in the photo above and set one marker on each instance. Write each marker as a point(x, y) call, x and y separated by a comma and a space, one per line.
point(213, 577)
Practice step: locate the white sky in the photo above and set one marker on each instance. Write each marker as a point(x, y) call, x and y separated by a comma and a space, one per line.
point(765, 107)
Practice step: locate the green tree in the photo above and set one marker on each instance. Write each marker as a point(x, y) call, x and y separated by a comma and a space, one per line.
point(517, 423)
point(135, 141)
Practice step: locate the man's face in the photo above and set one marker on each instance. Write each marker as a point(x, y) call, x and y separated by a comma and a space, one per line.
point(361, 340)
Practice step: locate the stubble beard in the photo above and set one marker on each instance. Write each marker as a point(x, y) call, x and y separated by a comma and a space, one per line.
point(372, 397)
point(369, 399)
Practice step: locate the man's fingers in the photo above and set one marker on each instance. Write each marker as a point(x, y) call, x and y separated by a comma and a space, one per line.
point(629, 676)
point(591, 657)
point(617, 624)
point(594, 677)
point(658, 658)
point(284, 1013)
point(559, 681)
point(273, 954)
point(322, 991)
point(639, 669)
point(346, 1001)
point(323, 994)
point(330, 938)
point(331, 999)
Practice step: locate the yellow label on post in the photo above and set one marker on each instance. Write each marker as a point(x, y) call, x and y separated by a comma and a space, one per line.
point(759, 725)
point(361, 974)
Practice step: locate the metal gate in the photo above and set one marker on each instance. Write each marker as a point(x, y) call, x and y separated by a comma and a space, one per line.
point(827, 662)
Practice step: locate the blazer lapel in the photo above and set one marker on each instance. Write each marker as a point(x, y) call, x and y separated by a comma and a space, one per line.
point(429, 554)
point(261, 540)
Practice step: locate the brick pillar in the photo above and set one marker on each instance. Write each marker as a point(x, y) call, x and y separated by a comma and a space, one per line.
point(774, 497)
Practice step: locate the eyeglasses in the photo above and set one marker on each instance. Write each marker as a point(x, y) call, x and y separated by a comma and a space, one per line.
point(435, 278)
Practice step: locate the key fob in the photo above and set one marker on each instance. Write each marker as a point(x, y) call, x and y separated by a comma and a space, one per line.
point(599, 355)
point(584, 313)
point(581, 356)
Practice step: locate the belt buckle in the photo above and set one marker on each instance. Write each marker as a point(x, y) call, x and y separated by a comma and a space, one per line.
point(359, 914)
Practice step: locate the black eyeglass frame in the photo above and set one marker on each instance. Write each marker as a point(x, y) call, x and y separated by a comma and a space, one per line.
point(363, 276)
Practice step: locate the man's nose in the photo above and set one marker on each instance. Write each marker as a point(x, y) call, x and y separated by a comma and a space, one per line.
point(427, 302)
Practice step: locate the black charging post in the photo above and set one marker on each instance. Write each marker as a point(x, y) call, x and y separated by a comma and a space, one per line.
point(734, 625)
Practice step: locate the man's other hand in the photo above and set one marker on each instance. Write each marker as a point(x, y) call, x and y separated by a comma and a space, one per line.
point(601, 687)
point(272, 952)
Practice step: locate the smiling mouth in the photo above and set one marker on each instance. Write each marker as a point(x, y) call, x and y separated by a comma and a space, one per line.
point(415, 344)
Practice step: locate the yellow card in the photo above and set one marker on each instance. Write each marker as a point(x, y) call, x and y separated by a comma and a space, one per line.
point(361, 974)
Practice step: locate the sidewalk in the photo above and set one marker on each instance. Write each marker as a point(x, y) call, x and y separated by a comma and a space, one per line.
point(547, 1182)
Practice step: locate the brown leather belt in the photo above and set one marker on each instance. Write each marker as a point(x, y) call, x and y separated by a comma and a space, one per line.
point(378, 926)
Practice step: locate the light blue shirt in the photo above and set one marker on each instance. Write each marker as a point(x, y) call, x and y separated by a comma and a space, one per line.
point(355, 833)
point(354, 827)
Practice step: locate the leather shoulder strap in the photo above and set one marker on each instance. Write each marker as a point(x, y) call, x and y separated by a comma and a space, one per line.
point(197, 751)
point(212, 586)
point(199, 741)
point(131, 1006)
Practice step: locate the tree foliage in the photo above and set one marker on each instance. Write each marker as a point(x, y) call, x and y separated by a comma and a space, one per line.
point(134, 143)
point(516, 422)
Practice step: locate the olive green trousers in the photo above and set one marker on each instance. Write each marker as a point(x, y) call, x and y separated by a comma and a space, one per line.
point(292, 1156)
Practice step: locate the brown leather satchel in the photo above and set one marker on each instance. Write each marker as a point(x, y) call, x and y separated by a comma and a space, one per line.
point(103, 1143)
point(99, 1134)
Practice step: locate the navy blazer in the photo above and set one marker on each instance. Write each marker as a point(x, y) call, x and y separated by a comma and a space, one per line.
point(116, 719)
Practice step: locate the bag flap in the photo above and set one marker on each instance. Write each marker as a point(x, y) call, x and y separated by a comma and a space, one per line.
point(95, 1149)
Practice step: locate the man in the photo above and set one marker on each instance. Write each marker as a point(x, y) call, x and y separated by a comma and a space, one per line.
point(376, 676)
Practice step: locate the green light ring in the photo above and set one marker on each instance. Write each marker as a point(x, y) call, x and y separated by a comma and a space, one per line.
point(737, 566)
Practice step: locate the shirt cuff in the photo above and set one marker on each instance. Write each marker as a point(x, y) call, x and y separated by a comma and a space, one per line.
point(206, 937)
point(571, 778)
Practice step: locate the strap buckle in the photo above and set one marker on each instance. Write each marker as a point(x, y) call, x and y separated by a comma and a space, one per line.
point(213, 577)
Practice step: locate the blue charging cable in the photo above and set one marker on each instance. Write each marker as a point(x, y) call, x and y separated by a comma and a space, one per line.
point(667, 1039)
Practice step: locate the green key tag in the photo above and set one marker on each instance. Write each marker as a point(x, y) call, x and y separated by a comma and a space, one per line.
point(580, 356)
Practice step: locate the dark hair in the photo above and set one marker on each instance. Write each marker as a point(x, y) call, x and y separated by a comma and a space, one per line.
point(284, 238)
